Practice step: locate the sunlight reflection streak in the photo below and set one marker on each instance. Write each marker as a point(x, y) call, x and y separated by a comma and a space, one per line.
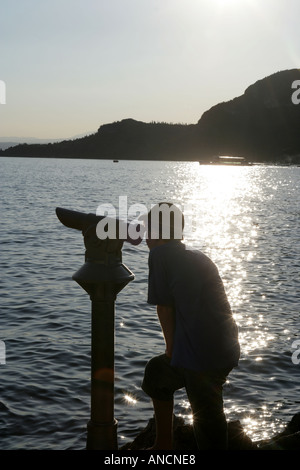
point(130, 399)
point(228, 203)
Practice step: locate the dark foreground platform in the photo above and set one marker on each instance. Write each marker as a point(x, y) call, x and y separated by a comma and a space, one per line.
point(289, 439)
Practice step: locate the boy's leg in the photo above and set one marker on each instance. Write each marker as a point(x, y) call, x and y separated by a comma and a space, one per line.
point(205, 393)
point(163, 411)
point(160, 382)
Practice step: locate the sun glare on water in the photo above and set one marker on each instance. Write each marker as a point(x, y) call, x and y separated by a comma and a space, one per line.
point(130, 399)
point(218, 206)
point(224, 210)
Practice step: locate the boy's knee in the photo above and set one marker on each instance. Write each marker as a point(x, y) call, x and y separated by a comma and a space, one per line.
point(157, 382)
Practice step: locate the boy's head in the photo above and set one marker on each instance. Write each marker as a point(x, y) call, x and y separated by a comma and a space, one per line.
point(165, 222)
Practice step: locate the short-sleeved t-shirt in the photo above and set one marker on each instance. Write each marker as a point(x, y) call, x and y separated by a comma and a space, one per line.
point(206, 335)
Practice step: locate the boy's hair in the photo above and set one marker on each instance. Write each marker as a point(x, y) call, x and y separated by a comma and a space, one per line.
point(165, 222)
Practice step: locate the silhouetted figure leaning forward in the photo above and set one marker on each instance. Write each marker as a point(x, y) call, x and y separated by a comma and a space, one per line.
point(200, 333)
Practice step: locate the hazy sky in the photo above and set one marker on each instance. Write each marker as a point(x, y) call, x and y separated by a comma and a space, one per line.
point(71, 65)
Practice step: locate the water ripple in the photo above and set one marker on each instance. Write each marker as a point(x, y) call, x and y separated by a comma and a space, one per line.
point(246, 219)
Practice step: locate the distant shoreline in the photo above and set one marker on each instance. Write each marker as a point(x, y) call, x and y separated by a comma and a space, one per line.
point(254, 164)
point(261, 125)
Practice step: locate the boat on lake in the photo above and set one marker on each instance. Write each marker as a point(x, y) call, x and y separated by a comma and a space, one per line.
point(227, 160)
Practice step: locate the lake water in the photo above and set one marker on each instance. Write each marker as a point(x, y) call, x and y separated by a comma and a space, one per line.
point(247, 219)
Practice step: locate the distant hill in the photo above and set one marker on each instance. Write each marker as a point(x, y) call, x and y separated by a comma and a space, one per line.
point(263, 125)
point(6, 142)
point(126, 139)
point(5, 145)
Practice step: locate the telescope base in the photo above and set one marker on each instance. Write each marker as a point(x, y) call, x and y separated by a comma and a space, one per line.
point(102, 436)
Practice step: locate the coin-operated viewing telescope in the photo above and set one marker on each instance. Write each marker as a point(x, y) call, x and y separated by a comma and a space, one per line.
point(102, 276)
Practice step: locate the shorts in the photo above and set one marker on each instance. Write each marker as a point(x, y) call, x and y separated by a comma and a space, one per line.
point(161, 380)
point(205, 394)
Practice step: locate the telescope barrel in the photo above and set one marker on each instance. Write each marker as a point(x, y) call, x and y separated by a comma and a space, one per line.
point(75, 219)
point(81, 221)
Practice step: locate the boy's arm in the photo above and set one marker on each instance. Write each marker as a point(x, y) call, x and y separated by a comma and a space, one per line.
point(166, 317)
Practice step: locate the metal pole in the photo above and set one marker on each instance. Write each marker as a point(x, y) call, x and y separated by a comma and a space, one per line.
point(102, 427)
point(102, 276)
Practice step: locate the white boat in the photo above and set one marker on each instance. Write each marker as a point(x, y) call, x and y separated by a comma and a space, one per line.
point(228, 160)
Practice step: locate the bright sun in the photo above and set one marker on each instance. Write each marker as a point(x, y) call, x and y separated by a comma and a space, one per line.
point(222, 5)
